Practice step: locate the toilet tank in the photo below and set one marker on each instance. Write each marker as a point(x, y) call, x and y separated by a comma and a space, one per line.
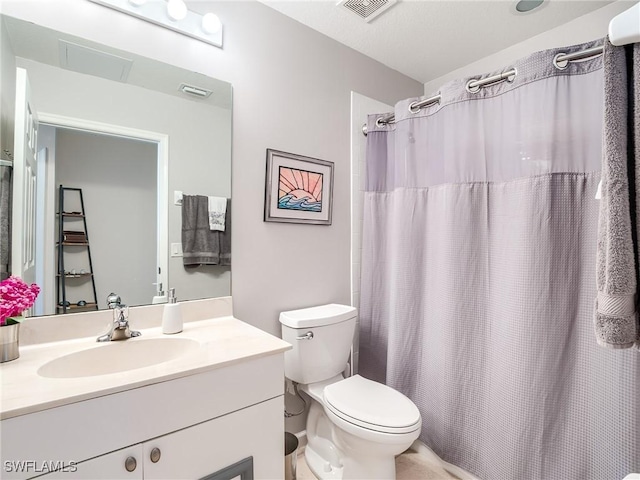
point(321, 338)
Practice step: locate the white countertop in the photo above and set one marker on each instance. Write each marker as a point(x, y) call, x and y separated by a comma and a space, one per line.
point(223, 341)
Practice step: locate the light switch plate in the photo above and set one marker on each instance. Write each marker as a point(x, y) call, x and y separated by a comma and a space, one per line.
point(176, 249)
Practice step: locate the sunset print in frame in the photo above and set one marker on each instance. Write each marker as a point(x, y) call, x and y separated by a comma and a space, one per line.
point(298, 189)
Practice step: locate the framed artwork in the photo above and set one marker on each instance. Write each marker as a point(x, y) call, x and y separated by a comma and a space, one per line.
point(298, 189)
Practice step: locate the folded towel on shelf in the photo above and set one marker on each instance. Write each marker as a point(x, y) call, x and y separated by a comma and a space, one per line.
point(217, 213)
point(200, 245)
point(74, 236)
point(615, 315)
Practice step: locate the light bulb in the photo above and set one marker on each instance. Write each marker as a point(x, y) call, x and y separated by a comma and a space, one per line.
point(137, 3)
point(211, 23)
point(176, 9)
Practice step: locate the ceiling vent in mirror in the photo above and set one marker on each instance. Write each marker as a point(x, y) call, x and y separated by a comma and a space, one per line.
point(367, 10)
point(195, 91)
point(93, 62)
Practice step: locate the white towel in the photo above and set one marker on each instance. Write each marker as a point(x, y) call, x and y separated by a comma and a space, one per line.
point(217, 213)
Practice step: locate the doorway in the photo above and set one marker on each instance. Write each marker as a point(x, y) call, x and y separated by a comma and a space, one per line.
point(119, 170)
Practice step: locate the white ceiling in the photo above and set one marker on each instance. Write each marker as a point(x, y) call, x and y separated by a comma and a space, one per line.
point(425, 39)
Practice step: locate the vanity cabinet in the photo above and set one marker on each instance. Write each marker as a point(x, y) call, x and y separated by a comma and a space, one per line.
point(199, 424)
point(207, 448)
point(196, 452)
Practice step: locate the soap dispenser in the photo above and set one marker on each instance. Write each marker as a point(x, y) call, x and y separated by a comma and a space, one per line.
point(160, 296)
point(172, 315)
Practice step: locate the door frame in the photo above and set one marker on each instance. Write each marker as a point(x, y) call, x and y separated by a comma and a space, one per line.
point(162, 200)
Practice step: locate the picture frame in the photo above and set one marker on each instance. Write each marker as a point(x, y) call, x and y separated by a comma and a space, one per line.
point(298, 189)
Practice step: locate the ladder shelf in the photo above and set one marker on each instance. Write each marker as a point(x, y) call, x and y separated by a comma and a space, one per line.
point(72, 238)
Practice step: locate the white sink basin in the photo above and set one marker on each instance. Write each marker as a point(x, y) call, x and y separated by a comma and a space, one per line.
point(118, 356)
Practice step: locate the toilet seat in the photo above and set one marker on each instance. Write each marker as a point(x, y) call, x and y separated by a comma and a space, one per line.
point(371, 405)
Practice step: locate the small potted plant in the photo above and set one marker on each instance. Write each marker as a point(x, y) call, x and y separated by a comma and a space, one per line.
point(15, 297)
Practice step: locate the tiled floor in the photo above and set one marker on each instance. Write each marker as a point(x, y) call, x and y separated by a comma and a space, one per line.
point(409, 466)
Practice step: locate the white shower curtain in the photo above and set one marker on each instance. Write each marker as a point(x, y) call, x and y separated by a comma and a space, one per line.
point(479, 241)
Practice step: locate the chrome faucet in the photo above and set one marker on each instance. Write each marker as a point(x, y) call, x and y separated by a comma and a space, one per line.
point(119, 329)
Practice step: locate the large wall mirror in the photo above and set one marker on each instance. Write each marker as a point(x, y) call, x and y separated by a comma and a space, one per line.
point(125, 133)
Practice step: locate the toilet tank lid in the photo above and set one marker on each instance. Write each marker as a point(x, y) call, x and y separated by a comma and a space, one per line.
point(318, 316)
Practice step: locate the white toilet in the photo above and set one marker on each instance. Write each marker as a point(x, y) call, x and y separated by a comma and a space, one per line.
point(355, 426)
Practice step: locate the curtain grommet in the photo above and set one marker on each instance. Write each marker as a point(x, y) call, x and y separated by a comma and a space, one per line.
point(473, 88)
point(562, 64)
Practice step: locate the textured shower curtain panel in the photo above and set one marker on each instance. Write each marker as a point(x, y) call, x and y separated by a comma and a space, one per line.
point(479, 243)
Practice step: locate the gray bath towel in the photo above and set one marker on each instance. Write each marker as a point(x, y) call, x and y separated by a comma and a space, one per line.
point(615, 316)
point(200, 244)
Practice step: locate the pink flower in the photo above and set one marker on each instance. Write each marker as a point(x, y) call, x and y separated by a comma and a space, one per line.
point(16, 297)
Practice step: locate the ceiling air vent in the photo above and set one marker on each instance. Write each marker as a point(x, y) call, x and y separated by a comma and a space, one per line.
point(90, 61)
point(367, 10)
point(195, 91)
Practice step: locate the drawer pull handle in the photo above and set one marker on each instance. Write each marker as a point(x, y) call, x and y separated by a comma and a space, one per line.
point(130, 464)
point(155, 455)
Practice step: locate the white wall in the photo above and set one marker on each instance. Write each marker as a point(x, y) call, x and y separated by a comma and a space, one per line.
point(119, 188)
point(292, 90)
point(199, 150)
point(591, 26)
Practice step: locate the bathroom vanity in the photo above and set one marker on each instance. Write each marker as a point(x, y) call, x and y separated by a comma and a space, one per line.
point(212, 407)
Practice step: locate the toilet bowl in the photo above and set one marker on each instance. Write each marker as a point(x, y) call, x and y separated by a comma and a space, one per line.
point(355, 426)
point(369, 424)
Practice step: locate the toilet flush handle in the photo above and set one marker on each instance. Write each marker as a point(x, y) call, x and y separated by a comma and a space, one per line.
point(306, 336)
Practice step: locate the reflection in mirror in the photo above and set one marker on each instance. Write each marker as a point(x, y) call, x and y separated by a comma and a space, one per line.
point(122, 137)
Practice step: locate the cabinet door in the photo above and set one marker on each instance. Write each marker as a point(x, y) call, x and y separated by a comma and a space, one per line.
point(209, 447)
point(112, 466)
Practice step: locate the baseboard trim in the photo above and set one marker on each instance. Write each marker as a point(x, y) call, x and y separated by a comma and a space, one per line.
point(424, 450)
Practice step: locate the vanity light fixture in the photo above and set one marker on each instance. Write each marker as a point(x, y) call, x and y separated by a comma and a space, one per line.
point(172, 14)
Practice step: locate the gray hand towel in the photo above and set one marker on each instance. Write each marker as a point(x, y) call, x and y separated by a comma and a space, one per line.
point(200, 245)
point(225, 237)
point(615, 315)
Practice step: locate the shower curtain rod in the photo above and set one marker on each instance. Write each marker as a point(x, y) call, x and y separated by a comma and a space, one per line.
point(6, 163)
point(561, 61)
point(624, 29)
